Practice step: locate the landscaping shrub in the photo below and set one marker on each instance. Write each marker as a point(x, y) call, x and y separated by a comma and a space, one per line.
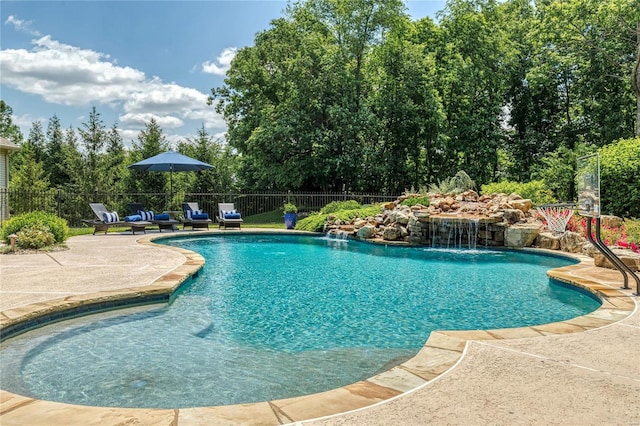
point(412, 201)
point(35, 237)
point(336, 206)
point(536, 190)
point(55, 225)
point(454, 185)
point(619, 172)
point(632, 228)
point(315, 222)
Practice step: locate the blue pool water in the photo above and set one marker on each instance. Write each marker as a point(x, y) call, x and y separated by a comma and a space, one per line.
point(275, 316)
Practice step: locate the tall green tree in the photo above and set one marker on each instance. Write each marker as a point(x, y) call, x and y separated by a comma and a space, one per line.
point(473, 68)
point(116, 171)
point(54, 162)
point(8, 129)
point(203, 147)
point(92, 140)
point(30, 177)
point(408, 114)
point(73, 161)
point(295, 101)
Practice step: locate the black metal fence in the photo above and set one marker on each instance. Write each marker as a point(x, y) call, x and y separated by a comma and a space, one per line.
point(75, 206)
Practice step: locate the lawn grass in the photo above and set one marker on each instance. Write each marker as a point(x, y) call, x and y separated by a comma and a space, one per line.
point(272, 219)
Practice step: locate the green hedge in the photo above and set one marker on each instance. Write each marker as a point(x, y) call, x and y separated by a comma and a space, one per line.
point(412, 201)
point(315, 222)
point(536, 190)
point(620, 178)
point(57, 226)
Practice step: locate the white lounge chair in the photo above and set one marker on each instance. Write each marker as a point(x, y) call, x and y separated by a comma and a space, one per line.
point(228, 216)
point(194, 222)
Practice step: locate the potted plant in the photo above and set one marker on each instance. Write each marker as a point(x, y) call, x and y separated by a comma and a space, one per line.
point(290, 215)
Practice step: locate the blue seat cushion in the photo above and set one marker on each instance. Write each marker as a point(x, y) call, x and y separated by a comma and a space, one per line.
point(133, 218)
point(232, 216)
point(200, 216)
point(162, 216)
point(188, 214)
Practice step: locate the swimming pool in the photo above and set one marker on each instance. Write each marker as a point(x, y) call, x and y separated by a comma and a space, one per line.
point(277, 316)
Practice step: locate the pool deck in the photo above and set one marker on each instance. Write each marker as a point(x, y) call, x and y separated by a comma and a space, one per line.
point(582, 371)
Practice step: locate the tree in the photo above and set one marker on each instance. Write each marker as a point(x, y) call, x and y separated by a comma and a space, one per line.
point(93, 138)
point(221, 178)
point(31, 150)
point(116, 171)
point(295, 101)
point(54, 163)
point(73, 161)
point(473, 67)
point(8, 129)
point(30, 176)
point(408, 115)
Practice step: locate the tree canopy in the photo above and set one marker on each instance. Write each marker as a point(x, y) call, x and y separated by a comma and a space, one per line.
point(353, 95)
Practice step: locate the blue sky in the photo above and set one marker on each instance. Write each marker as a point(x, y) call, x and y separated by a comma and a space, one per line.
point(132, 60)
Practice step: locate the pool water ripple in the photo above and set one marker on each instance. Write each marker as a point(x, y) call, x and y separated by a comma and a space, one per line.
point(271, 317)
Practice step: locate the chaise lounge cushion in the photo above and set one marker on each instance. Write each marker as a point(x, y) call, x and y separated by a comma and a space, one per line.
point(232, 216)
point(146, 215)
point(110, 217)
point(188, 214)
point(162, 216)
point(200, 216)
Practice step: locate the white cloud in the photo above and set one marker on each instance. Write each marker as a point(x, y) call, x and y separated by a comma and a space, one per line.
point(21, 25)
point(25, 121)
point(140, 119)
point(69, 75)
point(223, 62)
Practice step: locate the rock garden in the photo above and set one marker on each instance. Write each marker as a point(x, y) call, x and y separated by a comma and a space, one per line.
point(472, 220)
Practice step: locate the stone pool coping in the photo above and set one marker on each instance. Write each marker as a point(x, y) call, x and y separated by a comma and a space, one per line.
point(442, 351)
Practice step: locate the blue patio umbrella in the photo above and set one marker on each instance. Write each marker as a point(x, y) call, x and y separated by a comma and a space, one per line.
point(170, 161)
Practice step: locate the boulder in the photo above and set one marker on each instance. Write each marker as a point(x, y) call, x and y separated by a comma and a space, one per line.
point(470, 195)
point(631, 259)
point(389, 206)
point(360, 223)
point(609, 221)
point(523, 205)
point(422, 215)
point(547, 240)
point(401, 217)
point(520, 236)
point(390, 233)
point(366, 232)
point(572, 242)
point(513, 216)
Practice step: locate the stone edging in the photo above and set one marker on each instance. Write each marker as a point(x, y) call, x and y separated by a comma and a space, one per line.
point(441, 352)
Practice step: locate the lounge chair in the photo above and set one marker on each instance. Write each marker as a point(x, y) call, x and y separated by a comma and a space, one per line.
point(106, 219)
point(228, 216)
point(163, 221)
point(194, 217)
